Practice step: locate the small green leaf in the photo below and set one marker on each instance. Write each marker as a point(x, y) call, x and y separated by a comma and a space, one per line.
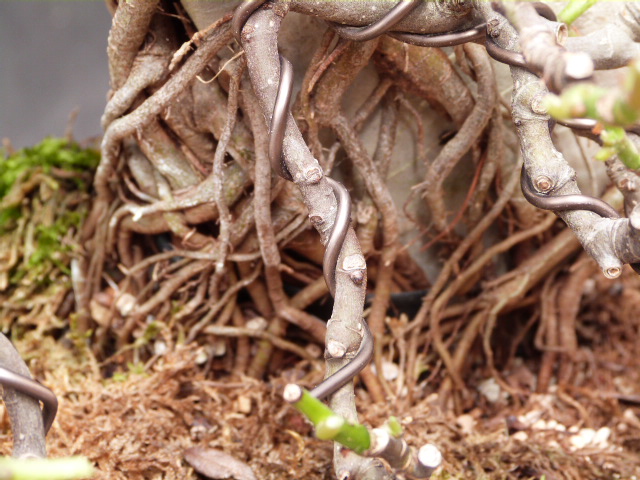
point(394, 427)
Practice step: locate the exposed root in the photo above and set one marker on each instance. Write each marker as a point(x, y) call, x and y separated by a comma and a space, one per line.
point(191, 240)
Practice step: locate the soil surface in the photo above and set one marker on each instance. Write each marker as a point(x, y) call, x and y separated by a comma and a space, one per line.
point(139, 423)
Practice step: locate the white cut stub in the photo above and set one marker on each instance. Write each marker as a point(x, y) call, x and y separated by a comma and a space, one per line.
point(292, 393)
point(354, 262)
point(336, 349)
point(125, 303)
point(430, 456)
point(257, 323)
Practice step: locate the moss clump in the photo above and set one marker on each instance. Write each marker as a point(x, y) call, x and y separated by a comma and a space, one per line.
point(50, 154)
point(44, 198)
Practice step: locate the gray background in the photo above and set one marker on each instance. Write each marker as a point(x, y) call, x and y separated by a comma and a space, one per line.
point(52, 60)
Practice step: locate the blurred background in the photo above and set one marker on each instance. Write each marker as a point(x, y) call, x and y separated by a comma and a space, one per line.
point(53, 60)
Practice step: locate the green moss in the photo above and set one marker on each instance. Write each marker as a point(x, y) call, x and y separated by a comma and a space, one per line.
point(133, 369)
point(79, 338)
point(48, 154)
point(8, 216)
point(48, 239)
point(150, 333)
point(43, 202)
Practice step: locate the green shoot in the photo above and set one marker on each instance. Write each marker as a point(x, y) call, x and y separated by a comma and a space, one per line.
point(328, 424)
point(613, 109)
point(617, 142)
point(45, 469)
point(590, 101)
point(618, 107)
point(574, 9)
point(394, 427)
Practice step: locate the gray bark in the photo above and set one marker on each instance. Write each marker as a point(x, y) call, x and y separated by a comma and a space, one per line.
point(610, 242)
point(24, 412)
point(260, 41)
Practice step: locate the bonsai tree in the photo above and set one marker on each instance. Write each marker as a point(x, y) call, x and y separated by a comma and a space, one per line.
point(394, 154)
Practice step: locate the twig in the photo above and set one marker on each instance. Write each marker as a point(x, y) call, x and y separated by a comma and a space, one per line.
point(615, 44)
point(260, 44)
point(218, 177)
point(428, 17)
point(541, 43)
point(611, 242)
point(24, 411)
point(219, 304)
point(148, 67)
point(153, 106)
point(426, 72)
point(248, 332)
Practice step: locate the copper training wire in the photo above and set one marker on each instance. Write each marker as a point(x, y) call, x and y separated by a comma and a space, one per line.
point(34, 389)
point(338, 234)
point(589, 124)
point(511, 58)
point(335, 382)
point(393, 17)
point(578, 123)
point(343, 215)
point(279, 119)
point(242, 14)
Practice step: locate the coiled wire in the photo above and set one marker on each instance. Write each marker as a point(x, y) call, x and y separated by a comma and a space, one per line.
point(34, 389)
point(343, 215)
point(563, 203)
point(402, 9)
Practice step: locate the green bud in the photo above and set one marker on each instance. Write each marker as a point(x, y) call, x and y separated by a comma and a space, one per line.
point(394, 427)
point(605, 154)
point(612, 135)
point(328, 428)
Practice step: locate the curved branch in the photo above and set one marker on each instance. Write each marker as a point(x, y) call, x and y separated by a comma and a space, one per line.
point(428, 17)
point(615, 44)
point(260, 41)
point(155, 104)
point(24, 411)
point(466, 137)
point(611, 242)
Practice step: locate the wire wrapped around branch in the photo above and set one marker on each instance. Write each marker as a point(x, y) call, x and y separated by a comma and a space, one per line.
point(21, 395)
